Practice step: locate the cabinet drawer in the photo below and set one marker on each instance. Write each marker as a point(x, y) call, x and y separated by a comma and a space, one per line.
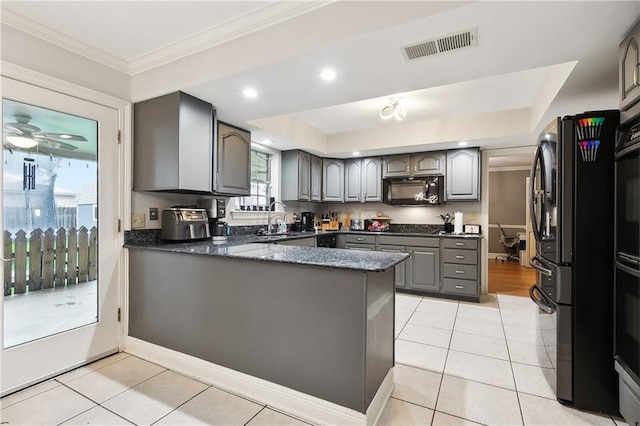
point(468, 287)
point(469, 257)
point(467, 272)
point(356, 246)
point(460, 243)
point(360, 239)
point(409, 241)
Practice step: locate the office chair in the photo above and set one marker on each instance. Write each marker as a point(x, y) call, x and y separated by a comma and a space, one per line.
point(511, 243)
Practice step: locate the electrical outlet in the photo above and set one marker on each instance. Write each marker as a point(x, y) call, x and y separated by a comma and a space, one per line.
point(153, 213)
point(137, 220)
point(473, 217)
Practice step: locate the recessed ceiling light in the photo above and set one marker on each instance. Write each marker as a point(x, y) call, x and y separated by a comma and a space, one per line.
point(250, 93)
point(463, 143)
point(355, 153)
point(65, 136)
point(328, 74)
point(267, 141)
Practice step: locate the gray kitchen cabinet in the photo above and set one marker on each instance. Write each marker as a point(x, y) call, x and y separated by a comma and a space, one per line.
point(400, 274)
point(233, 161)
point(363, 180)
point(396, 165)
point(353, 180)
point(332, 180)
point(463, 175)
point(428, 163)
point(316, 179)
point(296, 176)
point(461, 267)
point(423, 268)
point(356, 246)
point(301, 242)
point(629, 65)
point(173, 144)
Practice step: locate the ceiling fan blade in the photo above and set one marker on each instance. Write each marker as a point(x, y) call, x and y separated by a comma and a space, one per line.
point(21, 127)
point(56, 144)
point(75, 138)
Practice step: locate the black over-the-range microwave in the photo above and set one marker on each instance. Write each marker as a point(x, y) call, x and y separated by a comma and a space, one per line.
point(418, 191)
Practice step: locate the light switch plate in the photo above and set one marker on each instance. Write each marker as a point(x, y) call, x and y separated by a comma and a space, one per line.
point(153, 213)
point(137, 220)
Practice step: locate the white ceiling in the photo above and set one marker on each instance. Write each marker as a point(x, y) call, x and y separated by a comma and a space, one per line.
point(534, 60)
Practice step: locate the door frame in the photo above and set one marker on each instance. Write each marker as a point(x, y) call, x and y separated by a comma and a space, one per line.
point(123, 107)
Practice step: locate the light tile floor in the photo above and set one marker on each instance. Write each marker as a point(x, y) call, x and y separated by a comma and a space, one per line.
point(457, 363)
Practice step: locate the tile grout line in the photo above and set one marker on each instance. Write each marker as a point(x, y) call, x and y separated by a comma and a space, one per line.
point(255, 415)
point(189, 399)
point(513, 374)
point(444, 367)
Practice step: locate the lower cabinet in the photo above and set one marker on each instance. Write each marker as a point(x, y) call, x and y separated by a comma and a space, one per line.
point(460, 270)
point(400, 270)
point(303, 242)
point(423, 268)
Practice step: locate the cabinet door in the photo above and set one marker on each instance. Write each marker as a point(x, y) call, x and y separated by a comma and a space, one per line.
point(463, 174)
point(233, 172)
point(372, 179)
point(332, 180)
point(316, 178)
point(630, 69)
point(352, 180)
point(428, 163)
point(400, 269)
point(424, 268)
point(396, 165)
point(304, 176)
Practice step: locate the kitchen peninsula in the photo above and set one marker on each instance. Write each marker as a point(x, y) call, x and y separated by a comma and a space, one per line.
point(316, 320)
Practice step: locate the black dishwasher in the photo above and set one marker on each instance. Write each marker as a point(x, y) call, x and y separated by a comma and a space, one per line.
point(329, 241)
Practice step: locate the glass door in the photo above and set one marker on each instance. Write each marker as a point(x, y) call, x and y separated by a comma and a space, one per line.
point(60, 239)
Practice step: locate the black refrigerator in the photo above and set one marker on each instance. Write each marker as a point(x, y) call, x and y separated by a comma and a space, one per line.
point(571, 200)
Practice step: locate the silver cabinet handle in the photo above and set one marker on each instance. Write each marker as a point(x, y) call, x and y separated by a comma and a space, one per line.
point(459, 272)
point(459, 257)
point(359, 239)
point(460, 287)
point(460, 244)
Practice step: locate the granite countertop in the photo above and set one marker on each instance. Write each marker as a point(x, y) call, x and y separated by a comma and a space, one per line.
point(254, 247)
point(246, 247)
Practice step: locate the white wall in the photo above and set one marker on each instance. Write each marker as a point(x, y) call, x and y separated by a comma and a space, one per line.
point(39, 55)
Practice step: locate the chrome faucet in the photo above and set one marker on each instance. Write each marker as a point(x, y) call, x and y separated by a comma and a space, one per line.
point(271, 214)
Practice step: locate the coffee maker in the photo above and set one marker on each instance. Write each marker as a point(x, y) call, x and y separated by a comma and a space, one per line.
point(216, 210)
point(307, 221)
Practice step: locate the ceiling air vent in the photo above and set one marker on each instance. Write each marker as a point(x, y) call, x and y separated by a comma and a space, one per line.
point(442, 44)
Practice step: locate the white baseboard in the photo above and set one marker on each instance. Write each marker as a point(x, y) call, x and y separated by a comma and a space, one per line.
point(290, 401)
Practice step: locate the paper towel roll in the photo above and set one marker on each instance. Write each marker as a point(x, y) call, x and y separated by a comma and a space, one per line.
point(458, 221)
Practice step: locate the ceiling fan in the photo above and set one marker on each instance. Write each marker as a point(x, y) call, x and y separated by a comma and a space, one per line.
point(21, 134)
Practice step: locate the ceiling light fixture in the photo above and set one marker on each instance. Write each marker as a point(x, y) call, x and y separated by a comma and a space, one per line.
point(328, 74)
point(355, 153)
point(250, 93)
point(267, 141)
point(395, 108)
point(65, 136)
point(22, 142)
point(463, 143)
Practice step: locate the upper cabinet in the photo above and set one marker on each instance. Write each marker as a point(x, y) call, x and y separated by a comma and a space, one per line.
point(363, 180)
point(629, 64)
point(428, 163)
point(174, 149)
point(332, 180)
point(397, 165)
point(418, 164)
point(316, 178)
point(233, 161)
point(463, 175)
point(296, 176)
point(172, 145)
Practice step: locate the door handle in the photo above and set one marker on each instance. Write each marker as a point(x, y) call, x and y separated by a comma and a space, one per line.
point(6, 260)
point(535, 261)
point(532, 208)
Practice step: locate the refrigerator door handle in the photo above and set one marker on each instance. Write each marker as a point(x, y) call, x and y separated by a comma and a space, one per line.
point(543, 301)
point(538, 264)
point(532, 196)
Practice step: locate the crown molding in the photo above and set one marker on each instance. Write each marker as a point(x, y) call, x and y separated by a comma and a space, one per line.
point(28, 26)
point(269, 15)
